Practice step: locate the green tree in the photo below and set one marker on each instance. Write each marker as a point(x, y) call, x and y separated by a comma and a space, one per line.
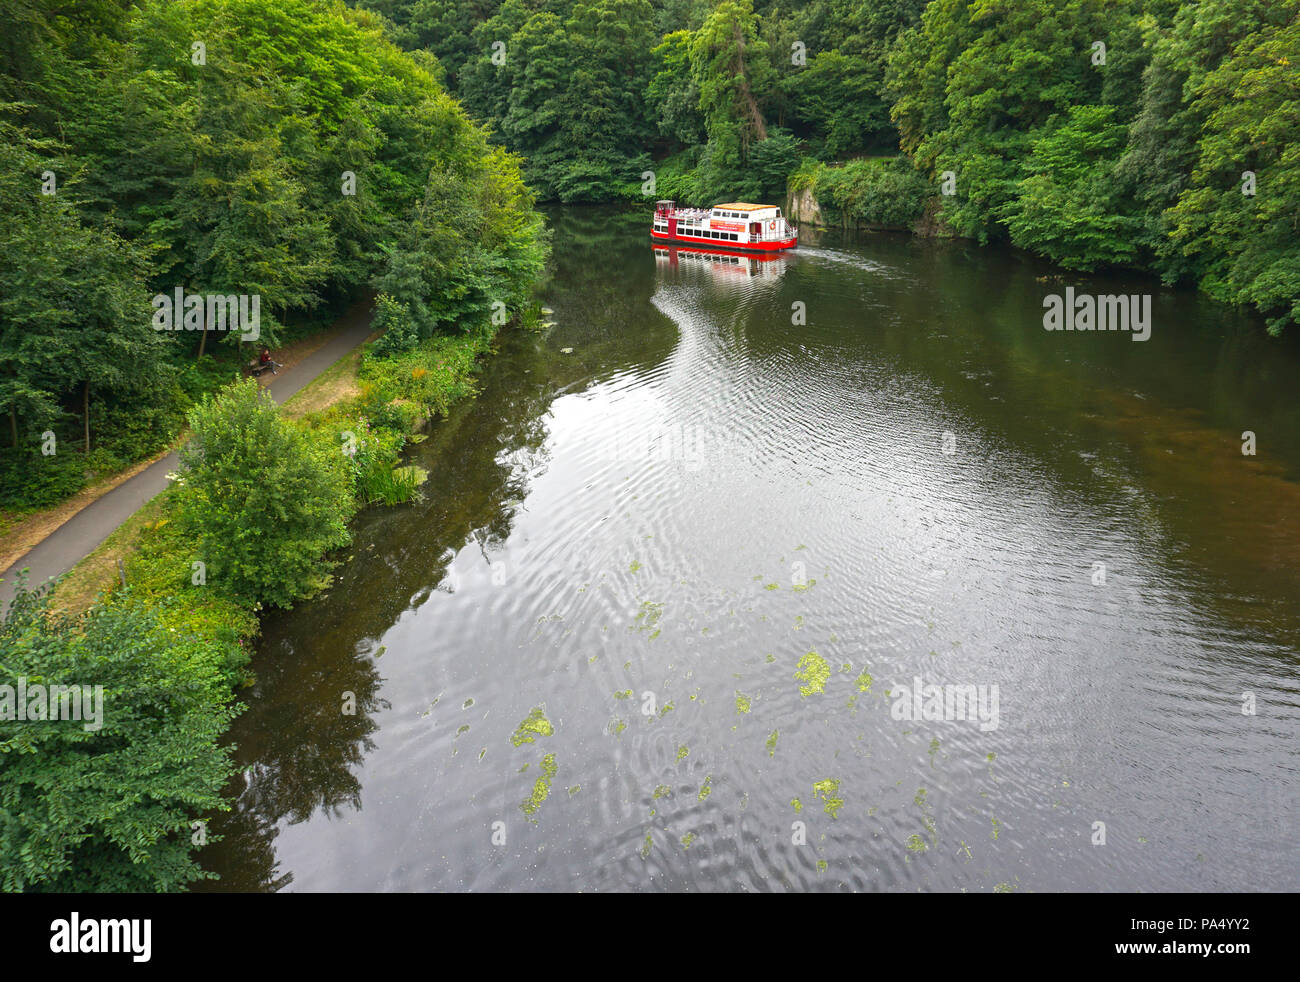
point(1245, 248)
point(262, 500)
point(74, 314)
point(109, 809)
point(674, 98)
point(1066, 208)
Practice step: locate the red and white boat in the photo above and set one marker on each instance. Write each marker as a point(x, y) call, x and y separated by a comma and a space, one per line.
point(753, 228)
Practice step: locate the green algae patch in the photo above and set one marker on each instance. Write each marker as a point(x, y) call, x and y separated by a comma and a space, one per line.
point(574, 790)
point(625, 694)
point(771, 586)
point(617, 726)
point(541, 788)
point(649, 844)
point(687, 839)
point(922, 801)
point(541, 791)
point(635, 565)
point(663, 791)
point(797, 805)
point(863, 682)
point(813, 672)
point(682, 752)
point(771, 743)
point(706, 788)
point(666, 708)
point(742, 703)
point(464, 729)
point(917, 844)
point(821, 866)
point(535, 725)
point(467, 703)
point(828, 790)
point(647, 618)
point(801, 587)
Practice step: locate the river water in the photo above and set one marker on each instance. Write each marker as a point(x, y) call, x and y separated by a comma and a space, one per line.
point(638, 543)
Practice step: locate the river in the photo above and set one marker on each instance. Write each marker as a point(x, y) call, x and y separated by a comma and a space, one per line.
point(868, 449)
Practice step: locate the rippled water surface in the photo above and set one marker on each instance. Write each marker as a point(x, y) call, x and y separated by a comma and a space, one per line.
point(644, 539)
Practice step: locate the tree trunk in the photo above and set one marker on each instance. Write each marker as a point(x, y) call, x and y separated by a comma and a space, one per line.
point(746, 94)
point(203, 335)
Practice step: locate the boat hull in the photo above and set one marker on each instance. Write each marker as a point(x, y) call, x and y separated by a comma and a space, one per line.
point(776, 245)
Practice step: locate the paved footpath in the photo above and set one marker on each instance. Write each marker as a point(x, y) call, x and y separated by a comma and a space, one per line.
point(80, 535)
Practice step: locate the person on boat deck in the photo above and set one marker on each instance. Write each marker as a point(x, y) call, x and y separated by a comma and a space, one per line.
point(265, 359)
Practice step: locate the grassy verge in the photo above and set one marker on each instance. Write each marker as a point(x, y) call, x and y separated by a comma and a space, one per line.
point(387, 400)
point(23, 525)
point(336, 384)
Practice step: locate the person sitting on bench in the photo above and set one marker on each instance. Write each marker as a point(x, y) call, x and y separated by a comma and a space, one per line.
point(265, 361)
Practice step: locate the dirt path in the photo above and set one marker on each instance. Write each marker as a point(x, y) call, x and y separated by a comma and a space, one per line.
point(85, 529)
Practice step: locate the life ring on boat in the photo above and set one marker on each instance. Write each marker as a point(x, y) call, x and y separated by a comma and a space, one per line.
point(771, 226)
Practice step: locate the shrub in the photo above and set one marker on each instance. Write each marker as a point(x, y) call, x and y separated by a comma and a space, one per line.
point(263, 500)
point(886, 192)
point(435, 374)
point(109, 809)
point(394, 319)
point(28, 479)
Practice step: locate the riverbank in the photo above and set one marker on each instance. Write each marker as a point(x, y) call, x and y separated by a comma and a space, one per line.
point(201, 567)
point(98, 571)
point(49, 544)
point(393, 397)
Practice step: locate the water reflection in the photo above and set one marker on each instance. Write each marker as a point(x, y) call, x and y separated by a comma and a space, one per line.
point(724, 265)
point(644, 538)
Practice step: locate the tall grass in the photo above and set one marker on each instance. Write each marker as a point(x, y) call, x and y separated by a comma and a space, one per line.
point(384, 484)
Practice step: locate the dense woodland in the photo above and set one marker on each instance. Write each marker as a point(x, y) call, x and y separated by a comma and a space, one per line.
point(133, 162)
point(1093, 132)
